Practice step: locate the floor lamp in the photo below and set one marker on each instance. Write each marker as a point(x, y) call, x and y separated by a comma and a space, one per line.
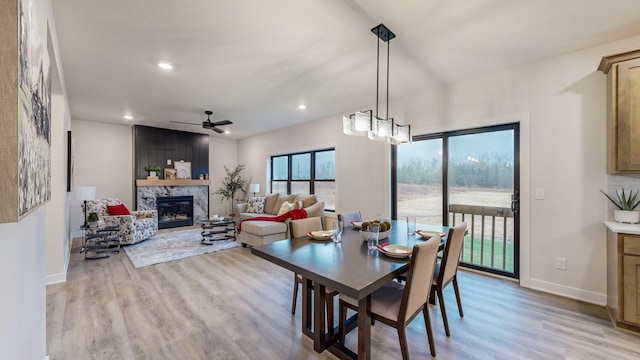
point(85, 193)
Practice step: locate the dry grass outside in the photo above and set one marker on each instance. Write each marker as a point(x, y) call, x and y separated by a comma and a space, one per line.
point(425, 202)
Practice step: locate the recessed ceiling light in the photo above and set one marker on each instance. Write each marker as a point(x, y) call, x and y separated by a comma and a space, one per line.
point(302, 106)
point(227, 132)
point(128, 117)
point(165, 65)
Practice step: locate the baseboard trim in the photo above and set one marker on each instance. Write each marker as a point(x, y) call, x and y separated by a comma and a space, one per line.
point(55, 279)
point(568, 292)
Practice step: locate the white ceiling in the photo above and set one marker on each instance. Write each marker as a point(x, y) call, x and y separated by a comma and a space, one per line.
point(254, 61)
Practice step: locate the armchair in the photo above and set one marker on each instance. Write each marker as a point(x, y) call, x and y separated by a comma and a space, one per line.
point(138, 226)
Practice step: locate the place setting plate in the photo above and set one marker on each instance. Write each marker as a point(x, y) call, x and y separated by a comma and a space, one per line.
point(321, 235)
point(395, 251)
point(427, 234)
point(357, 224)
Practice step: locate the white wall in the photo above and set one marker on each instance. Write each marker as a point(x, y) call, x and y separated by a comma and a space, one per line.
point(560, 102)
point(103, 157)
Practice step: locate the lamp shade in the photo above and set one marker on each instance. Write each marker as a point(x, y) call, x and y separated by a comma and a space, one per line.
point(254, 188)
point(85, 193)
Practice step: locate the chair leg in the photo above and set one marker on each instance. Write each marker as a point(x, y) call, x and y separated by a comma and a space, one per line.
point(455, 289)
point(427, 324)
point(432, 295)
point(330, 324)
point(295, 294)
point(402, 336)
point(443, 310)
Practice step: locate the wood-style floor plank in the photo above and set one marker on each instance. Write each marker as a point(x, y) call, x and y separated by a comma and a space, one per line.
point(233, 305)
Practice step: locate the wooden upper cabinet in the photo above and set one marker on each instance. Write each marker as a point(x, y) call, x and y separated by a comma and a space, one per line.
point(623, 115)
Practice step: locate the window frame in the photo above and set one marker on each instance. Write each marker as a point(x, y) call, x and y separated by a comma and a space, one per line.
point(312, 171)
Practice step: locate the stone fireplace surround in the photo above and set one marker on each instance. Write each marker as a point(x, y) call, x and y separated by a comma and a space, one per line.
point(147, 191)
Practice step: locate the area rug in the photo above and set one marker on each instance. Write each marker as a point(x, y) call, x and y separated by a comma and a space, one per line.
point(174, 245)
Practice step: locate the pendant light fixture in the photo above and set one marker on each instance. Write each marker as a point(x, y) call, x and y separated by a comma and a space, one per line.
point(365, 122)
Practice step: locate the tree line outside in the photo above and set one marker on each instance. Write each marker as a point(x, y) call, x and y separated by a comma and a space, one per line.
point(485, 171)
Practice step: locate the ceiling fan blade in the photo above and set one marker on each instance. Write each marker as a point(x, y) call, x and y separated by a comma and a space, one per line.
point(222, 123)
point(217, 130)
point(182, 122)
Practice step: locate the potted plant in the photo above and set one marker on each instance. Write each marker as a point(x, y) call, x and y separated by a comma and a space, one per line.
point(626, 205)
point(153, 171)
point(92, 220)
point(232, 183)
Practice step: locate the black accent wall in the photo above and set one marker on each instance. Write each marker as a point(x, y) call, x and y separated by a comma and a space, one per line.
point(154, 146)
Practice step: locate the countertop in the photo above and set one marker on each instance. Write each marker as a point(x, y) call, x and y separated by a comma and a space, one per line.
point(623, 228)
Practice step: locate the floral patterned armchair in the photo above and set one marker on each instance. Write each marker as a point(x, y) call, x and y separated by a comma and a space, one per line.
point(138, 226)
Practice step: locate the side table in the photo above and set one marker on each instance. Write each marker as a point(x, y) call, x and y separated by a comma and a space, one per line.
point(98, 243)
point(216, 230)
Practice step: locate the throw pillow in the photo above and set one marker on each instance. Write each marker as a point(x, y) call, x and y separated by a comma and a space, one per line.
point(256, 205)
point(286, 207)
point(270, 204)
point(281, 200)
point(309, 200)
point(115, 210)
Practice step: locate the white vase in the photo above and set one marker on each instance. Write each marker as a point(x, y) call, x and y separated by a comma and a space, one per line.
point(624, 216)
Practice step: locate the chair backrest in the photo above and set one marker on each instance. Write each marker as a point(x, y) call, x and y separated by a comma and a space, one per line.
point(301, 227)
point(451, 255)
point(348, 217)
point(418, 284)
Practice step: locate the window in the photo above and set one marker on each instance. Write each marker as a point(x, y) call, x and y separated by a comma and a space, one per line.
point(311, 172)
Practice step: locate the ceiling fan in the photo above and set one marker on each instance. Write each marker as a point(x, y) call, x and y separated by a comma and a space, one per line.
point(208, 124)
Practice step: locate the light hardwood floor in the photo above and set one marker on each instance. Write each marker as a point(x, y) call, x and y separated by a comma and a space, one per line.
point(233, 305)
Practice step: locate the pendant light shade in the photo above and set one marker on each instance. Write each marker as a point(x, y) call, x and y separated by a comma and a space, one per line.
point(364, 122)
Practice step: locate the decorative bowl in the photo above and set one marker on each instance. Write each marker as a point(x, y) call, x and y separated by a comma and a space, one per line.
point(383, 235)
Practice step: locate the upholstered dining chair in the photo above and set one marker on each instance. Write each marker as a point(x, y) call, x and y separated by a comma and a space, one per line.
point(446, 270)
point(348, 217)
point(397, 305)
point(299, 228)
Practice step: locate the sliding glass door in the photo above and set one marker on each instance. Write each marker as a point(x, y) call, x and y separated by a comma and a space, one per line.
point(466, 176)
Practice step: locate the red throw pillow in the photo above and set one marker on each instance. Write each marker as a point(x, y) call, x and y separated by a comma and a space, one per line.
point(118, 210)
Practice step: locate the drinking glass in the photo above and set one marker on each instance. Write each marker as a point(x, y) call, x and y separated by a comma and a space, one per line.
point(373, 233)
point(411, 225)
point(378, 216)
point(337, 231)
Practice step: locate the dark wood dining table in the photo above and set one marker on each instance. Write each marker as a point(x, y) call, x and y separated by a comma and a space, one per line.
point(348, 267)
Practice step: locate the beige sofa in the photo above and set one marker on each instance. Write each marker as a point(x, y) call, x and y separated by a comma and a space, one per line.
point(262, 232)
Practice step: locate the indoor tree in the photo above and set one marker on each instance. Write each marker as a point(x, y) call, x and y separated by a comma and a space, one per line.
point(232, 183)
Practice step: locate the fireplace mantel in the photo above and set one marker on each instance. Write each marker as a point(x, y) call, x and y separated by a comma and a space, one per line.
point(176, 182)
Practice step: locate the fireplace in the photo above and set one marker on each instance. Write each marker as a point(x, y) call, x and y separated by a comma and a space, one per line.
point(174, 211)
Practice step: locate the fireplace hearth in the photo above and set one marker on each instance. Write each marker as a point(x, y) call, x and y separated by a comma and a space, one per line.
point(174, 211)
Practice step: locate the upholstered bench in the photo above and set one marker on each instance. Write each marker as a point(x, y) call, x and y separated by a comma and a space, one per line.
point(262, 232)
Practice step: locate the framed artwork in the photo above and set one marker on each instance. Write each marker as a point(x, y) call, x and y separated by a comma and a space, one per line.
point(169, 174)
point(69, 161)
point(183, 169)
point(25, 110)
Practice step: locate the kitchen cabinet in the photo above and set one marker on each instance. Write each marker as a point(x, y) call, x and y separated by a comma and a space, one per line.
point(623, 112)
point(623, 275)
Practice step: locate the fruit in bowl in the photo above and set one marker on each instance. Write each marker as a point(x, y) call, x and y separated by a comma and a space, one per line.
point(385, 228)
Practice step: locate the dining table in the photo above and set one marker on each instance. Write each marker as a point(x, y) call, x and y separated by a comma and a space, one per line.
point(347, 267)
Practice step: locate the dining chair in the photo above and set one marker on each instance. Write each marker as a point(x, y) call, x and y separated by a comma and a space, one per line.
point(397, 305)
point(348, 217)
point(446, 270)
point(300, 228)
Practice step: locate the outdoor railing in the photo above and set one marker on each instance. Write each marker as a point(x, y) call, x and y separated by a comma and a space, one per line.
point(489, 242)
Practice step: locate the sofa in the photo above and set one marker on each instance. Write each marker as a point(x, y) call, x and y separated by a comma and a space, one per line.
point(136, 227)
point(262, 232)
